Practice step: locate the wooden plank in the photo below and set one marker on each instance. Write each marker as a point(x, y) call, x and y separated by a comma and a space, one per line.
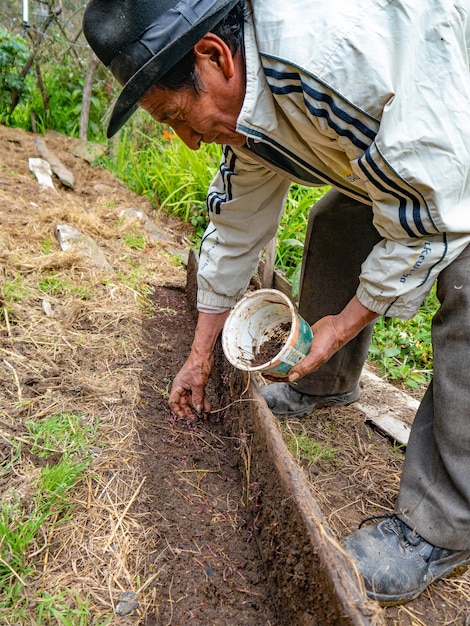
point(279, 281)
point(391, 410)
point(335, 592)
point(386, 422)
point(267, 279)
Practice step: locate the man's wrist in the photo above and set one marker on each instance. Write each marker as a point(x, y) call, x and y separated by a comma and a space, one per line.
point(209, 327)
point(352, 319)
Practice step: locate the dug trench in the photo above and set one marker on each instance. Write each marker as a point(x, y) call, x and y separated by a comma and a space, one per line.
point(239, 540)
point(244, 533)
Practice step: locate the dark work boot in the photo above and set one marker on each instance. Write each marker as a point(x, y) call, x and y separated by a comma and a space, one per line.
point(284, 401)
point(398, 564)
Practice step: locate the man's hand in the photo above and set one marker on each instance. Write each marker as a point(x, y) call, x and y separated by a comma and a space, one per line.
point(188, 396)
point(330, 334)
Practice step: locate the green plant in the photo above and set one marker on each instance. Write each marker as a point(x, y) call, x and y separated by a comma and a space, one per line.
point(66, 608)
point(53, 285)
point(14, 289)
point(304, 448)
point(64, 84)
point(14, 52)
point(136, 241)
point(63, 431)
point(293, 226)
point(56, 286)
point(48, 245)
point(403, 350)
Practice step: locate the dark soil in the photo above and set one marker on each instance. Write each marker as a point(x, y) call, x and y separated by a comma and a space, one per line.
point(272, 346)
point(204, 552)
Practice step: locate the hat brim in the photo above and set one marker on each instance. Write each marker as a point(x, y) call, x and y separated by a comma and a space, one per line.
point(161, 63)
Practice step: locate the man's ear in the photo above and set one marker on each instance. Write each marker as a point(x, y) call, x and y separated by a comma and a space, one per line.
point(213, 53)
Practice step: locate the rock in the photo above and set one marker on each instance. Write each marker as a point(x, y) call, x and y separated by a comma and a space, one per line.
point(128, 602)
point(63, 174)
point(69, 237)
point(42, 170)
point(47, 308)
point(103, 189)
point(86, 150)
point(153, 233)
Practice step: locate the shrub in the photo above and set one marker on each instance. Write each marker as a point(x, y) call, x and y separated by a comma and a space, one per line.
point(14, 52)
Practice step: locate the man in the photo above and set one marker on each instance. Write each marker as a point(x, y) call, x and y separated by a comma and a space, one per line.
point(371, 97)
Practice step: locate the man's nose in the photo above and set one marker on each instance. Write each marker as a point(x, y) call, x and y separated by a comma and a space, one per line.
point(187, 135)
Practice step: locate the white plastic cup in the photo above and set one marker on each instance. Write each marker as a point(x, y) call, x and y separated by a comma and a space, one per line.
point(253, 321)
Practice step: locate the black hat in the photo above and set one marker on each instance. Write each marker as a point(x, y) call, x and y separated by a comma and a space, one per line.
point(141, 40)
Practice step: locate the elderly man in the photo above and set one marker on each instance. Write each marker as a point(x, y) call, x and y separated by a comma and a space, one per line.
point(371, 97)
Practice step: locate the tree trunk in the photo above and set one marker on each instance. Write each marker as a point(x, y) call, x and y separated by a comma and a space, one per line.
point(15, 98)
point(86, 101)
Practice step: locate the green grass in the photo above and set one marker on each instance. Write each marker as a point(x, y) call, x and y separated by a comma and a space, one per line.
point(304, 448)
point(293, 227)
point(134, 240)
point(14, 290)
point(54, 285)
point(39, 498)
point(48, 245)
point(155, 163)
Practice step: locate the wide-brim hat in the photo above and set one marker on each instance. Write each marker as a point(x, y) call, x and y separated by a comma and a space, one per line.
point(141, 40)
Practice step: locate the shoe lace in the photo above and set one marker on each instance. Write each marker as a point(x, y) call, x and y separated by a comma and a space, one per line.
point(406, 534)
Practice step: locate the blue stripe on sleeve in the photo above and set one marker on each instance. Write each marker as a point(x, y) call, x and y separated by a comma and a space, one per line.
point(361, 129)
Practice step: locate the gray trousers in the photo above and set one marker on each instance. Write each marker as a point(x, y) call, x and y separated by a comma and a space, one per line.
point(434, 495)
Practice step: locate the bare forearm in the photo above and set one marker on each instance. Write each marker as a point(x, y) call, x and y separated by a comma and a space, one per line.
point(352, 319)
point(208, 328)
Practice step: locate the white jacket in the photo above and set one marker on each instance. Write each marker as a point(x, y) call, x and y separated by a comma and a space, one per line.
point(371, 97)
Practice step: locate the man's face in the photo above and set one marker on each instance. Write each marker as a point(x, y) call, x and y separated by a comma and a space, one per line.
point(209, 116)
point(195, 118)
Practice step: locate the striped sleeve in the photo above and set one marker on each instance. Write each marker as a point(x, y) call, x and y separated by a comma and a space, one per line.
point(409, 154)
point(245, 203)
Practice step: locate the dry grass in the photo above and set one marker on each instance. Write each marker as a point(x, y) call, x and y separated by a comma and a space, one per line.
point(84, 358)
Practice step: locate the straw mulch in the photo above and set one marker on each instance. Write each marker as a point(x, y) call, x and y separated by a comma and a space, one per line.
point(360, 479)
point(83, 357)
